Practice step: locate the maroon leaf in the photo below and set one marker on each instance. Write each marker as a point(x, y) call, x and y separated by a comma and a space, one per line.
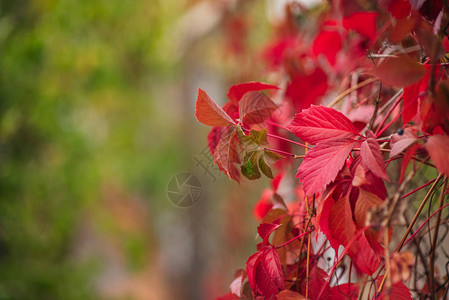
point(226, 155)
point(399, 71)
point(237, 91)
point(255, 108)
point(210, 113)
point(320, 123)
point(322, 164)
point(437, 146)
point(372, 157)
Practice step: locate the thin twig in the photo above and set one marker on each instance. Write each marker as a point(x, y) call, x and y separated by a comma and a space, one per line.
point(434, 241)
point(350, 90)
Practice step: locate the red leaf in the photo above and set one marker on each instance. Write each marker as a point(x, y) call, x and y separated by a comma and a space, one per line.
point(365, 202)
point(399, 71)
point(317, 279)
point(236, 285)
point(289, 295)
point(328, 43)
point(272, 265)
point(255, 108)
point(322, 164)
point(226, 155)
point(341, 224)
point(264, 271)
point(210, 113)
point(320, 123)
point(237, 91)
point(399, 8)
point(264, 205)
point(410, 102)
point(401, 142)
point(363, 23)
point(345, 291)
point(214, 136)
point(265, 229)
point(437, 146)
point(407, 156)
point(306, 89)
point(251, 266)
point(366, 259)
point(372, 157)
point(398, 291)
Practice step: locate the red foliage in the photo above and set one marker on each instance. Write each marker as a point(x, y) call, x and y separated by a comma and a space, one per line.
point(393, 85)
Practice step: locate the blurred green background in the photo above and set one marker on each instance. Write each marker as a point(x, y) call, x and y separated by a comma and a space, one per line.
point(96, 115)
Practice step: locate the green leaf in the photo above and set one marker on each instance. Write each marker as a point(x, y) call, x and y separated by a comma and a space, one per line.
point(254, 141)
point(249, 168)
point(272, 157)
point(266, 170)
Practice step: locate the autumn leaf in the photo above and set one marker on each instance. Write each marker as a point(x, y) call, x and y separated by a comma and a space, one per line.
point(255, 107)
point(254, 141)
point(289, 295)
point(372, 157)
point(320, 123)
point(237, 283)
point(366, 259)
point(399, 71)
point(250, 168)
point(437, 146)
point(265, 273)
point(210, 113)
point(237, 91)
point(345, 291)
point(365, 202)
point(322, 164)
point(341, 224)
point(398, 291)
point(400, 142)
point(226, 155)
point(265, 229)
point(364, 23)
point(317, 280)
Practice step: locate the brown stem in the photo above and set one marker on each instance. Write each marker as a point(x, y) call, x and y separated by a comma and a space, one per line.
point(398, 248)
point(350, 90)
point(434, 243)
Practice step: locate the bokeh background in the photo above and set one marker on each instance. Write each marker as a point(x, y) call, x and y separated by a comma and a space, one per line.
point(97, 103)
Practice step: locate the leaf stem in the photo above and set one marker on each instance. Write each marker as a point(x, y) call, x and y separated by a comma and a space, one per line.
point(277, 125)
point(296, 237)
point(287, 140)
